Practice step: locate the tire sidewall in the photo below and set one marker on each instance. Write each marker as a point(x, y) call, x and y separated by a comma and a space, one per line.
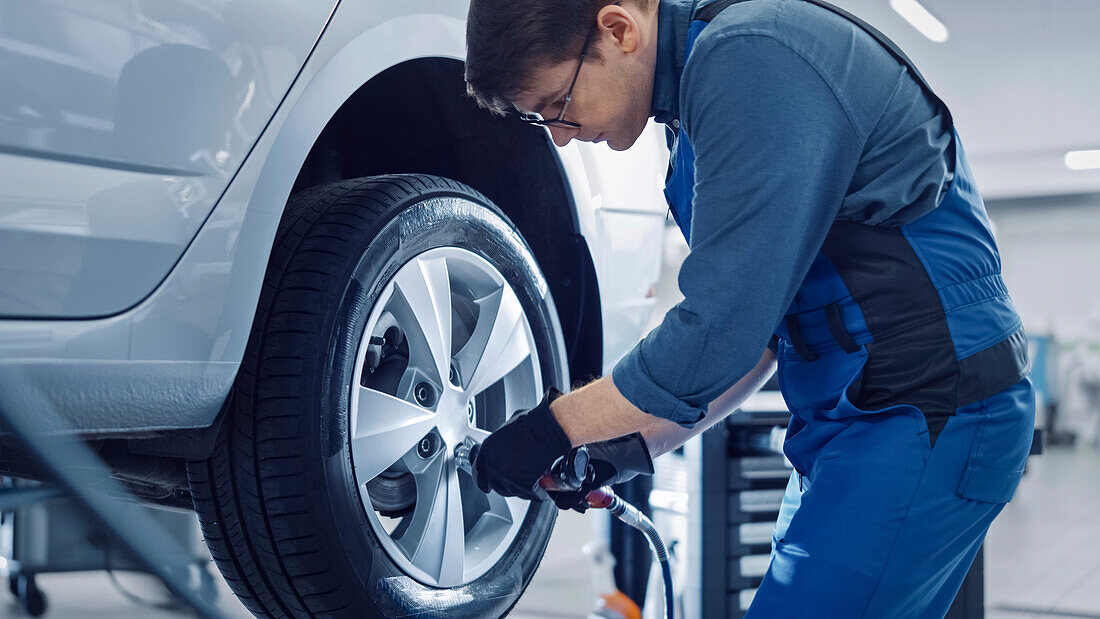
point(434, 220)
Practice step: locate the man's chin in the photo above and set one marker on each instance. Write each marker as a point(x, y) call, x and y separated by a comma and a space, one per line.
point(617, 142)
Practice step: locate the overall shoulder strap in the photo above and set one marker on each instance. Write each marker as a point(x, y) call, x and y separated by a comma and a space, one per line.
point(710, 11)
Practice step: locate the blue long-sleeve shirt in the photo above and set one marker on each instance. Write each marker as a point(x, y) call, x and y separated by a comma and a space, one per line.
point(798, 119)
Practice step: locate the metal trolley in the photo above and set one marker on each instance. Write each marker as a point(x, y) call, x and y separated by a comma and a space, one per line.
point(52, 533)
point(32, 431)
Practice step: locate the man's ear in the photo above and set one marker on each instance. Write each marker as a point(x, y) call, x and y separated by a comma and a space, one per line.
point(620, 26)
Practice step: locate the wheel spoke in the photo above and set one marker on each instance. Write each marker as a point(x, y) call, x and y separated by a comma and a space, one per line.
point(501, 515)
point(385, 429)
point(452, 561)
point(498, 343)
point(478, 434)
point(506, 509)
point(435, 540)
point(426, 287)
point(524, 398)
point(429, 480)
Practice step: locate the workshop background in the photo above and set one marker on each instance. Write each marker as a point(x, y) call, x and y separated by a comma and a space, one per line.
point(1023, 80)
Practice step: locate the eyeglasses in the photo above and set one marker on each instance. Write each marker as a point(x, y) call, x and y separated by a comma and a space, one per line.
point(560, 121)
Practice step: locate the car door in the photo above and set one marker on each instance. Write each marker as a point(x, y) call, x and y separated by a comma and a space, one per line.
point(121, 123)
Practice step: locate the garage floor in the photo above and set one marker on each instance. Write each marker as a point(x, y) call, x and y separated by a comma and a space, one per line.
point(1042, 559)
point(1043, 552)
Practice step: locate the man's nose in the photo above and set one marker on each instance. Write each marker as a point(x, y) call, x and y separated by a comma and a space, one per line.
point(562, 135)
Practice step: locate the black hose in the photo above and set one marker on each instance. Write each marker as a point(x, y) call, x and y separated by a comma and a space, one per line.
point(666, 573)
point(634, 517)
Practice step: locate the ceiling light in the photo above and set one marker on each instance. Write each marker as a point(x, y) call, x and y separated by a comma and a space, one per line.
point(919, 18)
point(1083, 159)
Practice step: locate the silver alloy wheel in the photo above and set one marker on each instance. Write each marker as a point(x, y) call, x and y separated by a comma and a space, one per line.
point(460, 359)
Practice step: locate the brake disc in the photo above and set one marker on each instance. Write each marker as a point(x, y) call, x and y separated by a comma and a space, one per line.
point(392, 493)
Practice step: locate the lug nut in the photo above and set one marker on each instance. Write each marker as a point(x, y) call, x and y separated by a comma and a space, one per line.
point(453, 375)
point(424, 394)
point(426, 447)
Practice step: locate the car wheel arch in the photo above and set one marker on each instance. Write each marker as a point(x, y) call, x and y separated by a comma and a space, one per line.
point(414, 117)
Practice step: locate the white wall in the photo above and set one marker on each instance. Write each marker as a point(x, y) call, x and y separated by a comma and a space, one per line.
point(1021, 78)
point(1050, 249)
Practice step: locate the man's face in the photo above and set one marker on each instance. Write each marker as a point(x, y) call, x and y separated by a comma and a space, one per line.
point(612, 96)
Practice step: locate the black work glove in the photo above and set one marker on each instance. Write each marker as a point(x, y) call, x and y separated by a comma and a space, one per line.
point(513, 459)
point(612, 462)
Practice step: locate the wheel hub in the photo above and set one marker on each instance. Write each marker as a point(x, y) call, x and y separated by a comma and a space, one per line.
point(447, 355)
point(452, 421)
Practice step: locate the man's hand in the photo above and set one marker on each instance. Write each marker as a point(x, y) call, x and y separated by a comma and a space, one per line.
point(613, 462)
point(513, 458)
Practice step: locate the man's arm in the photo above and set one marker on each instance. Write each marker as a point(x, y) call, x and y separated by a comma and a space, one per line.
point(598, 412)
point(673, 434)
point(775, 154)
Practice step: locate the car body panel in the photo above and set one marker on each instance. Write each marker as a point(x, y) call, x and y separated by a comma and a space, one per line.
point(628, 209)
point(174, 356)
point(123, 124)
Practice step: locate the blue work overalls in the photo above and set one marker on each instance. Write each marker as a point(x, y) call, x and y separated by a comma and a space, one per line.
point(904, 365)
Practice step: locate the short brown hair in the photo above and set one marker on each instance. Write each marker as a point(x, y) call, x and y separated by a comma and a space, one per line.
point(507, 39)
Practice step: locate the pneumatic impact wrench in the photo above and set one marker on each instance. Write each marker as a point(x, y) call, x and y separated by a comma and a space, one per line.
point(569, 473)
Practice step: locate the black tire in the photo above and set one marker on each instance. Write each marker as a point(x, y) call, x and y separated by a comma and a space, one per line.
point(277, 499)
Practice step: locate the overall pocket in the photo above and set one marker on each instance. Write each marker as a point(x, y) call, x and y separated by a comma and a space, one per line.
point(817, 393)
point(1004, 426)
point(816, 388)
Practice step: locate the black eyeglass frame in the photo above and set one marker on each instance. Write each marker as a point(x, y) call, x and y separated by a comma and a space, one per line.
point(535, 119)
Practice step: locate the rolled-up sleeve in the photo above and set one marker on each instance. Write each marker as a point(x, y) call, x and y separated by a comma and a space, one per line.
point(774, 154)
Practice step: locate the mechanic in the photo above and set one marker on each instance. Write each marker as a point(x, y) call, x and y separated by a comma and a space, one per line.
point(836, 232)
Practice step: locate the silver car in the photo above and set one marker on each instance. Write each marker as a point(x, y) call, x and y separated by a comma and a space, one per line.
point(272, 264)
